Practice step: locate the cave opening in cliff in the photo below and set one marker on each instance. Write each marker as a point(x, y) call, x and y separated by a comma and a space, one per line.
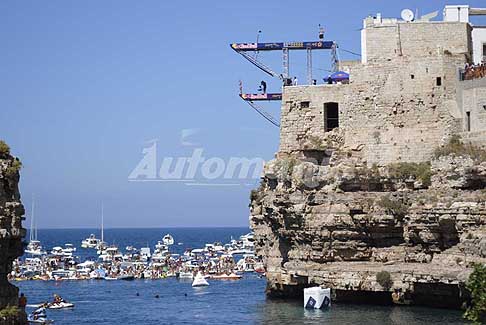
point(331, 116)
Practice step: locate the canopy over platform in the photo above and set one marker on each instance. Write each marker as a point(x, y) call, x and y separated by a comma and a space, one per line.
point(259, 97)
point(339, 76)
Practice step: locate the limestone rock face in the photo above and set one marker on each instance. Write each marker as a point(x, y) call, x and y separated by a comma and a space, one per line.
point(11, 231)
point(340, 225)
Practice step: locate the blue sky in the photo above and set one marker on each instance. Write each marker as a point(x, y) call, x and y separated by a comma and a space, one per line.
point(85, 84)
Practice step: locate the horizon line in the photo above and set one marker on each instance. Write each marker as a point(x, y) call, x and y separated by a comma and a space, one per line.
point(135, 227)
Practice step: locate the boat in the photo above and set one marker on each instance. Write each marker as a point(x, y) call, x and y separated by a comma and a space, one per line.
point(126, 277)
point(168, 240)
point(161, 246)
point(54, 305)
point(145, 253)
point(34, 246)
point(59, 251)
point(102, 244)
point(69, 248)
point(97, 274)
point(199, 281)
point(186, 275)
point(90, 242)
point(60, 305)
point(40, 320)
point(232, 276)
point(38, 316)
point(247, 263)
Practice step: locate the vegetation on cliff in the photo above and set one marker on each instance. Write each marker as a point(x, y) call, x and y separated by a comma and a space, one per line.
point(405, 171)
point(456, 147)
point(476, 284)
point(4, 149)
point(384, 279)
point(14, 168)
point(394, 206)
point(9, 314)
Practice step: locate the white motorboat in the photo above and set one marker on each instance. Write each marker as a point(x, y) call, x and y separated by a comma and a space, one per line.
point(186, 275)
point(39, 316)
point(232, 276)
point(60, 305)
point(90, 242)
point(145, 253)
point(55, 305)
point(69, 248)
point(168, 240)
point(97, 274)
point(247, 263)
point(40, 320)
point(199, 281)
point(34, 248)
point(161, 246)
point(59, 251)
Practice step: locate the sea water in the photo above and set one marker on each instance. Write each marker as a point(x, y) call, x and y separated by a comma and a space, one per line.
point(173, 301)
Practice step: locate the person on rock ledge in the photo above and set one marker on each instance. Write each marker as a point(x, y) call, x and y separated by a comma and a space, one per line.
point(22, 301)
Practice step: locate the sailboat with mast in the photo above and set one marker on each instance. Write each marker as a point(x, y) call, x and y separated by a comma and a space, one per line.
point(92, 241)
point(34, 246)
point(102, 244)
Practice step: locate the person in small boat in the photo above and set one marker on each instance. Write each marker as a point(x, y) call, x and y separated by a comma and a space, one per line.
point(58, 299)
point(40, 312)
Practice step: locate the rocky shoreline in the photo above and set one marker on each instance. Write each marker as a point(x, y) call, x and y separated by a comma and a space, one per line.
point(340, 224)
point(11, 233)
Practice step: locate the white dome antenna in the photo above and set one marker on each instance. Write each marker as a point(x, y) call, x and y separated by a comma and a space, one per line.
point(407, 15)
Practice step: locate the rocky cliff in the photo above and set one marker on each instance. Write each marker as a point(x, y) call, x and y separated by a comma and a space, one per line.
point(324, 216)
point(11, 232)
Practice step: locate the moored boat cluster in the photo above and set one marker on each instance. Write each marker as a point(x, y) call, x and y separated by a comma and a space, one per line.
point(215, 261)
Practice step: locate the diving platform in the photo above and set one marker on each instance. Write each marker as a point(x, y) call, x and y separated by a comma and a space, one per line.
point(261, 97)
point(279, 46)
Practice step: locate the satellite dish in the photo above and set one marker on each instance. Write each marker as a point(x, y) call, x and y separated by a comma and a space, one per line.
point(407, 15)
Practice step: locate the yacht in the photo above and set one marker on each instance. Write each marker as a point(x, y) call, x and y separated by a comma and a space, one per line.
point(161, 246)
point(69, 248)
point(102, 244)
point(90, 242)
point(59, 251)
point(168, 240)
point(34, 246)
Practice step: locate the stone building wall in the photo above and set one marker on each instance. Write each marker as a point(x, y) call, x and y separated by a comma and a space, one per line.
point(342, 220)
point(401, 104)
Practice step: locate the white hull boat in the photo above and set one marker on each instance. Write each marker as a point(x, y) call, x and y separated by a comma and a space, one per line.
point(55, 305)
point(168, 240)
point(186, 275)
point(200, 281)
point(60, 305)
point(40, 321)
